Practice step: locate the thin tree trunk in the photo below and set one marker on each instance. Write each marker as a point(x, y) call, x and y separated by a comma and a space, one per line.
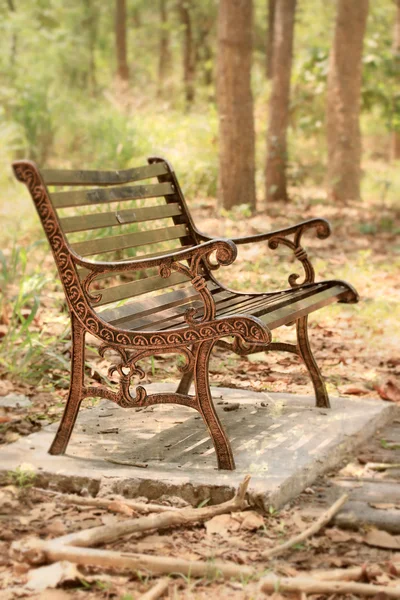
point(91, 22)
point(275, 171)
point(120, 40)
point(343, 101)
point(395, 138)
point(189, 66)
point(14, 38)
point(235, 104)
point(164, 59)
point(270, 36)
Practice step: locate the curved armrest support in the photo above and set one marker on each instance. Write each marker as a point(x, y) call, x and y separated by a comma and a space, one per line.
point(225, 254)
point(281, 236)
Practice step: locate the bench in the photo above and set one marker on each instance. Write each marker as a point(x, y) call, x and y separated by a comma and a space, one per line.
point(151, 287)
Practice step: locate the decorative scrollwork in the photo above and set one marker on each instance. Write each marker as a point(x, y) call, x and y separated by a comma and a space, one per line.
point(128, 368)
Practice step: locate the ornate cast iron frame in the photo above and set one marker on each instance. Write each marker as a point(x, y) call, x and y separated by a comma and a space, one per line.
point(194, 341)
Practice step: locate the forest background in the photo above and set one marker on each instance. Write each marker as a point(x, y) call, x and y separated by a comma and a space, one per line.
point(88, 84)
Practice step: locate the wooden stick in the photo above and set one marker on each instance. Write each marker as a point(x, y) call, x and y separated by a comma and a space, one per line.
point(308, 585)
point(382, 466)
point(314, 528)
point(105, 502)
point(156, 591)
point(156, 565)
point(109, 533)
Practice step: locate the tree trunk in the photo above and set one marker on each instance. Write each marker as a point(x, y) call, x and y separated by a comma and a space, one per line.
point(270, 36)
point(395, 141)
point(343, 101)
point(275, 171)
point(13, 53)
point(235, 104)
point(188, 52)
point(120, 40)
point(91, 24)
point(164, 59)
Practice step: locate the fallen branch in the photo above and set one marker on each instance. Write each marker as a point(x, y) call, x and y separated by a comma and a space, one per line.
point(156, 591)
point(155, 565)
point(382, 466)
point(308, 585)
point(105, 534)
point(105, 502)
point(350, 574)
point(314, 528)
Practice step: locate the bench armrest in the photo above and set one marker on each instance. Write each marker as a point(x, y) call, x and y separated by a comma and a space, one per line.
point(225, 254)
point(281, 236)
point(323, 230)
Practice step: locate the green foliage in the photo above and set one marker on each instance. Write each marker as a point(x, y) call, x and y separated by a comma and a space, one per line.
point(26, 353)
point(22, 478)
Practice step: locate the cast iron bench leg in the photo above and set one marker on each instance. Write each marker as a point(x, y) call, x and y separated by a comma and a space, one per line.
point(74, 400)
point(206, 408)
point(303, 345)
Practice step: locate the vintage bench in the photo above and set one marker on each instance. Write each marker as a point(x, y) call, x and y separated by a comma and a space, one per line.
point(150, 255)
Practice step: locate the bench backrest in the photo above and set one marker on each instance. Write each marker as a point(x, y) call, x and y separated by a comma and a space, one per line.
point(120, 215)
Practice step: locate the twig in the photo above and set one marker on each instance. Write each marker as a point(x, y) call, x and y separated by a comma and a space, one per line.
point(382, 466)
point(156, 591)
point(350, 574)
point(308, 585)
point(314, 528)
point(105, 502)
point(156, 565)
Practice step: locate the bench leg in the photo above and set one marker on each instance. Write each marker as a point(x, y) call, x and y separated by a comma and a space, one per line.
point(304, 349)
point(74, 400)
point(206, 408)
point(185, 383)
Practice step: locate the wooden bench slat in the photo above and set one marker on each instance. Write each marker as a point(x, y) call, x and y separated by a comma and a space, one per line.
point(67, 177)
point(301, 308)
point(267, 302)
point(129, 240)
point(133, 310)
point(164, 318)
point(105, 196)
point(119, 217)
point(234, 304)
point(141, 286)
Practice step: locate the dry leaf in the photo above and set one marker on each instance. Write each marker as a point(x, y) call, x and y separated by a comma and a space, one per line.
point(338, 536)
point(389, 391)
point(52, 575)
point(251, 520)
point(222, 524)
point(356, 391)
point(120, 507)
point(53, 595)
point(382, 539)
point(56, 528)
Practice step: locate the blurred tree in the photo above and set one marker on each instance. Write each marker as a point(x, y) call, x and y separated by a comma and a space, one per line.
point(189, 55)
point(90, 23)
point(343, 101)
point(270, 36)
point(13, 52)
point(395, 145)
point(275, 171)
point(164, 58)
point(235, 104)
point(120, 40)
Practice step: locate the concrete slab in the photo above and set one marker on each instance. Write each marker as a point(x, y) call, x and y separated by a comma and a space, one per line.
point(282, 440)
